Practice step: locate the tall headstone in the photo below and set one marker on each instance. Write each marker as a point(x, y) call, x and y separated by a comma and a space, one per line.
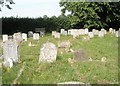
point(30, 34)
point(48, 52)
point(36, 36)
point(90, 34)
point(5, 37)
point(11, 51)
point(24, 36)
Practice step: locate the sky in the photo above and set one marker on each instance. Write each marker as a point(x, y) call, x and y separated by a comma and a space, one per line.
point(32, 8)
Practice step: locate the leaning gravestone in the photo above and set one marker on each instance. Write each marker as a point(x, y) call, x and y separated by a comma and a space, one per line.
point(30, 34)
point(90, 34)
point(36, 36)
point(17, 37)
point(11, 51)
point(48, 52)
point(24, 36)
point(5, 37)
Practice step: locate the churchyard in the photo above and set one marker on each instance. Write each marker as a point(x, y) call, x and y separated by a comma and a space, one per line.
point(89, 59)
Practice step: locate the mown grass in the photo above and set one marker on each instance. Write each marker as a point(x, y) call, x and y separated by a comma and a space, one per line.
point(94, 72)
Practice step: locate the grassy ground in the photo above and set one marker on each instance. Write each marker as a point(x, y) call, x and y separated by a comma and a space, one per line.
point(94, 72)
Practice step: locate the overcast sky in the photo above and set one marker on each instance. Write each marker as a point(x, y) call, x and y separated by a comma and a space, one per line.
point(32, 8)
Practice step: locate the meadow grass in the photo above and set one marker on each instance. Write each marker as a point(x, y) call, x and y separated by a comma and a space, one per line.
point(93, 72)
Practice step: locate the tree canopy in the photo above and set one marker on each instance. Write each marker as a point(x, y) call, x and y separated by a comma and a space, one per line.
point(92, 14)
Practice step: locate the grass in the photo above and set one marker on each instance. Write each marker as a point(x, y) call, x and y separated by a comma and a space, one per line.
point(94, 72)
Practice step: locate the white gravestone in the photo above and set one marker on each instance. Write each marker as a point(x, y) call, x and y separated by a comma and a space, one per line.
point(64, 33)
point(11, 51)
point(110, 30)
point(57, 35)
point(53, 33)
point(17, 37)
point(86, 30)
point(95, 32)
point(101, 34)
point(24, 36)
point(36, 36)
point(90, 34)
point(117, 34)
point(62, 30)
point(5, 37)
point(48, 52)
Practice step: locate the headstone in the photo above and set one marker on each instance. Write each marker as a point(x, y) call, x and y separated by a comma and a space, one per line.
point(95, 32)
point(36, 36)
point(101, 34)
point(42, 33)
point(117, 34)
point(48, 52)
point(30, 34)
point(17, 37)
point(64, 33)
point(24, 36)
point(64, 44)
point(103, 31)
point(11, 51)
point(86, 30)
point(62, 30)
point(110, 30)
point(5, 37)
point(69, 32)
point(90, 34)
point(82, 31)
point(53, 33)
point(57, 35)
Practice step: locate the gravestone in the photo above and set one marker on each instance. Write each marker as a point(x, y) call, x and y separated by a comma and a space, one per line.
point(48, 52)
point(42, 33)
point(53, 33)
point(90, 34)
point(101, 34)
point(62, 30)
point(81, 31)
point(8, 63)
point(5, 37)
point(103, 31)
point(117, 34)
point(64, 44)
point(24, 36)
point(30, 34)
point(36, 36)
point(110, 30)
point(95, 32)
point(69, 32)
point(64, 33)
point(11, 51)
point(17, 37)
point(57, 35)
point(86, 30)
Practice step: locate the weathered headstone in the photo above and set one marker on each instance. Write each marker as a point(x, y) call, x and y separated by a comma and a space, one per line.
point(36, 36)
point(24, 36)
point(11, 51)
point(17, 37)
point(48, 52)
point(30, 34)
point(5, 37)
point(101, 34)
point(90, 34)
point(64, 44)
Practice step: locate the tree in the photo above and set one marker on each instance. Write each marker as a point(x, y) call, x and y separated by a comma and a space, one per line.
point(92, 14)
point(6, 3)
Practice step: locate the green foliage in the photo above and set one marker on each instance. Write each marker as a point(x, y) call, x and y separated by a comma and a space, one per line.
point(92, 14)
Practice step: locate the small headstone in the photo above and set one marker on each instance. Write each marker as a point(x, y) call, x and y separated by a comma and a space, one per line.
point(64, 44)
point(82, 31)
point(11, 51)
point(42, 33)
point(90, 34)
point(110, 30)
point(117, 34)
point(5, 37)
point(62, 30)
point(69, 32)
point(24, 36)
point(86, 31)
point(95, 32)
point(101, 34)
point(30, 34)
point(17, 37)
point(57, 35)
point(64, 33)
point(53, 33)
point(48, 52)
point(36, 36)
